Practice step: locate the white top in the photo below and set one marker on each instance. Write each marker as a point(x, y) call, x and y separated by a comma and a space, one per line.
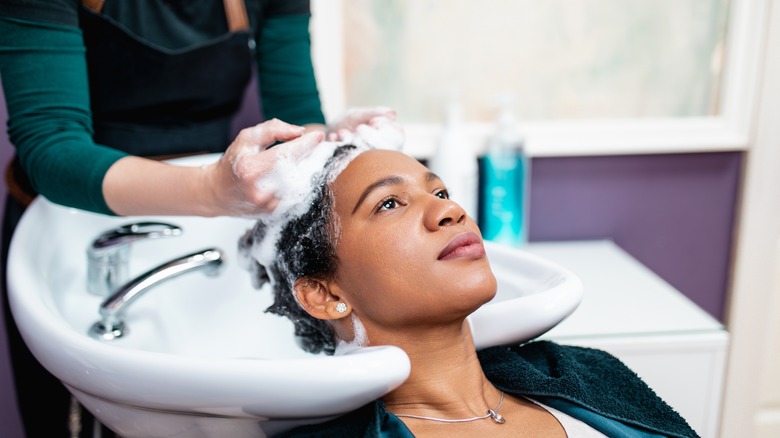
point(573, 427)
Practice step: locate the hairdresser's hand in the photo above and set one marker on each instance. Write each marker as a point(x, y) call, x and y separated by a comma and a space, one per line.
point(347, 125)
point(372, 127)
point(235, 179)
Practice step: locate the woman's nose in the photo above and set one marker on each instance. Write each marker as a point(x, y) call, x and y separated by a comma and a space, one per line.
point(443, 213)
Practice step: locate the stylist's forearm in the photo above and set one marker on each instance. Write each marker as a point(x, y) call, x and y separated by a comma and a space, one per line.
point(139, 186)
point(311, 127)
point(227, 187)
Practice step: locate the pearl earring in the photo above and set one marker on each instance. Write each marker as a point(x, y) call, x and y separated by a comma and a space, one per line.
point(341, 307)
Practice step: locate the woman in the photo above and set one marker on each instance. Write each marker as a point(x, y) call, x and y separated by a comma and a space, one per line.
point(95, 89)
point(388, 259)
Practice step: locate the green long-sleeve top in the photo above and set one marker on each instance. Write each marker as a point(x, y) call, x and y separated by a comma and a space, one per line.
point(44, 76)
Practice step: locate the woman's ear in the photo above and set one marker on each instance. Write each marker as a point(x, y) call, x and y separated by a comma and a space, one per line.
point(319, 301)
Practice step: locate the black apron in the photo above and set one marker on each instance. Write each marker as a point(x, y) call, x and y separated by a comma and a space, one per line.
point(148, 100)
point(151, 101)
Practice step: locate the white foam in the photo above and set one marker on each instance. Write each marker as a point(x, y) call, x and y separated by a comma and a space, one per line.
point(295, 177)
point(293, 181)
point(359, 339)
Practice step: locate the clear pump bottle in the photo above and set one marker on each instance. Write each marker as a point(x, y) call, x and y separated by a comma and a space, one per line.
point(505, 181)
point(455, 161)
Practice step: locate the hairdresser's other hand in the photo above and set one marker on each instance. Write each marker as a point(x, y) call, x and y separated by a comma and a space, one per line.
point(233, 179)
point(347, 125)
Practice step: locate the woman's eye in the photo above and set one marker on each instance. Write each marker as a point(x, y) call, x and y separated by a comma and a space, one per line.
point(387, 204)
point(443, 194)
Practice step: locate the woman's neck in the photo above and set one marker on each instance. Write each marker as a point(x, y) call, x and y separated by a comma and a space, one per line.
point(447, 383)
point(446, 379)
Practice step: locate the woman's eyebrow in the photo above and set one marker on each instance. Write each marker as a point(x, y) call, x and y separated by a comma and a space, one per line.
point(387, 181)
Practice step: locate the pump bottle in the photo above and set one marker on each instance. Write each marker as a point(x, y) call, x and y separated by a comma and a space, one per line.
point(505, 180)
point(455, 161)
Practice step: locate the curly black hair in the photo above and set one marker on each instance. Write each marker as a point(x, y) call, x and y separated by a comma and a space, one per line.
point(306, 246)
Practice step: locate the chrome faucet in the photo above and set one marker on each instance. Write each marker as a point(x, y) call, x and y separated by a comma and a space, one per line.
point(108, 255)
point(111, 325)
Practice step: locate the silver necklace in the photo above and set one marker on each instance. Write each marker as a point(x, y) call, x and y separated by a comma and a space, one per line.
point(491, 413)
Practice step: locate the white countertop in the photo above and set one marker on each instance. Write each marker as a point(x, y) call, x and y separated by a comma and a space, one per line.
point(622, 297)
point(671, 343)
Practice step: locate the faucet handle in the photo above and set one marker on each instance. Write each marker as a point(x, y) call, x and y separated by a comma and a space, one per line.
point(108, 255)
point(126, 234)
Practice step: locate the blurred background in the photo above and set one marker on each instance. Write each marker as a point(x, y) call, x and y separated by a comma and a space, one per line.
point(647, 123)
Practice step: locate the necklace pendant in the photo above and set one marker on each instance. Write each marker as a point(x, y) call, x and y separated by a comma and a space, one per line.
point(498, 418)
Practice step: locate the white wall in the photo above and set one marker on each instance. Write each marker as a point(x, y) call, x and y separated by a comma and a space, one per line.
point(752, 398)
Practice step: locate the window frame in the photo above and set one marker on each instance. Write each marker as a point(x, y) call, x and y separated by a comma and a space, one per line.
point(729, 130)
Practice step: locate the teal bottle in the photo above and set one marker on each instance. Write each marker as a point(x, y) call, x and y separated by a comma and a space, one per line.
point(505, 176)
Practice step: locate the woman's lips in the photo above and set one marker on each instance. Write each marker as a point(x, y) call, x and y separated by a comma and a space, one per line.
point(463, 246)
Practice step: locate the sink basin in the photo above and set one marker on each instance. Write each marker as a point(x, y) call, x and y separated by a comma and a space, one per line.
point(200, 357)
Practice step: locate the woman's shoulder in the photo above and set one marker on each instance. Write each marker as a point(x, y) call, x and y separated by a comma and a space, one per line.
point(544, 367)
point(544, 354)
point(588, 377)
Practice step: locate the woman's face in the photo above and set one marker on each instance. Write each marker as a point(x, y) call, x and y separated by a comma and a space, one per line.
point(407, 254)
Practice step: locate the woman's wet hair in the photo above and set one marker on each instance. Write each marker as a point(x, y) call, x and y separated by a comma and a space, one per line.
point(306, 247)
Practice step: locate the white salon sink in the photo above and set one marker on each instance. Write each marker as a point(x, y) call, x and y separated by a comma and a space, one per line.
point(201, 358)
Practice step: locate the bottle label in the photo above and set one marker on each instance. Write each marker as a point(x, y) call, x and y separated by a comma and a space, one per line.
point(503, 214)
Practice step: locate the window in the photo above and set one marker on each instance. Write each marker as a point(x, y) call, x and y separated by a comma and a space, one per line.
point(587, 76)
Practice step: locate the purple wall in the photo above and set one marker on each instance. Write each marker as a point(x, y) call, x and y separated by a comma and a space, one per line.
point(10, 423)
point(672, 212)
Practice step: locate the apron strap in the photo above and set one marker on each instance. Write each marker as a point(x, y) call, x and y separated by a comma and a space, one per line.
point(19, 187)
point(235, 10)
point(236, 15)
point(95, 5)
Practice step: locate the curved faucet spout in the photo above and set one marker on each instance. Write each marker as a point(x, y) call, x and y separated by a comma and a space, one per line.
point(111, 326)
point(109, 254)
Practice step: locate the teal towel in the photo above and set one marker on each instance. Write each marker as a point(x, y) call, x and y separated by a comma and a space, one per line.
point(587, 377)
point(590, 385)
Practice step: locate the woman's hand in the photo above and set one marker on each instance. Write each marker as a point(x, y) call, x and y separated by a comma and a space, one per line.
point(235, 179)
